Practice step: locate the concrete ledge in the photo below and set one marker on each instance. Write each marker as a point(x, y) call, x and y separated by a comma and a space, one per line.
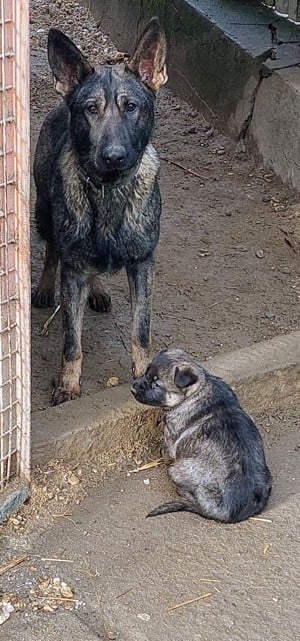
point(112, 425)
point(220, 53)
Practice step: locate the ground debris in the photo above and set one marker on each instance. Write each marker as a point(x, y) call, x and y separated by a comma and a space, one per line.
point(6, 608)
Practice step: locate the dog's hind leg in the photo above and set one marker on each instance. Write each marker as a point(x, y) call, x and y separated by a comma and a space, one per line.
point(98, 299)
point(140, 278)
point(74, 292)
point(43, 296)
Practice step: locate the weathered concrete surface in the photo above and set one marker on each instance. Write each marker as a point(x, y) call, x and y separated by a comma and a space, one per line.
point(113, 425)
point(127, 570)
point(219, 54)
point(63, 627)
point(275, 125)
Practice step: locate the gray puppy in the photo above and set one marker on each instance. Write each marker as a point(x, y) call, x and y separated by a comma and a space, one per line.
point(215, 449)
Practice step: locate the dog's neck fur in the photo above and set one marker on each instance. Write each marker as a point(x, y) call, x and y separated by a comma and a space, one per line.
point(84, 197)
point(178, 420)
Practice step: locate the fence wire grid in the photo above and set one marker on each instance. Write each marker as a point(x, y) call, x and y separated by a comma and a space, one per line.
point(14, 242)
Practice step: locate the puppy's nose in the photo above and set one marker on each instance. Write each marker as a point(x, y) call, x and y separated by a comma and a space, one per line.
point(114, 156)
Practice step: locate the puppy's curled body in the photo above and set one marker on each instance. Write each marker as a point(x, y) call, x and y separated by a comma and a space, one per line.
point(218, 462)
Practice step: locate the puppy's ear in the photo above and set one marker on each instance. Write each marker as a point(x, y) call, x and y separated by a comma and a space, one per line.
point(149, 59)
point(185, 377)
point(67, 63)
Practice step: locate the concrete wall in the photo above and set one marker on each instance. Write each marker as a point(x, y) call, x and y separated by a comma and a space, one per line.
point(222, 60)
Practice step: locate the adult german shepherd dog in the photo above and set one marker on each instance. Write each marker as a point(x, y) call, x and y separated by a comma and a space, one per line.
point(98, 202)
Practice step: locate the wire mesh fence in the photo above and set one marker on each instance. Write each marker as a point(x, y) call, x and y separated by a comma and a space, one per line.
point(14, 242)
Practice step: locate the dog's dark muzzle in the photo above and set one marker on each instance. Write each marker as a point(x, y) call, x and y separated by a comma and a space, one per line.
point(115, 161)
point(139, 390)
point(114, 157)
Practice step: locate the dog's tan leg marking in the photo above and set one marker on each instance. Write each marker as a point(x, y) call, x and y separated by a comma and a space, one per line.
point(140, 279)
point(74, 291)
point(69, 382)
point(140, 359)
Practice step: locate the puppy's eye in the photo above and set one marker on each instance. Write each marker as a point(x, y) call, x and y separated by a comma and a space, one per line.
point(92, 108)
point(130, 106)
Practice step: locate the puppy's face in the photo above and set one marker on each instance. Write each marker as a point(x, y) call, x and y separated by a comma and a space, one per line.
point(170, 378)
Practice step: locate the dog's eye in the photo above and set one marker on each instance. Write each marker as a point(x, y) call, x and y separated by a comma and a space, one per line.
point(92, 108)
point(130, 106)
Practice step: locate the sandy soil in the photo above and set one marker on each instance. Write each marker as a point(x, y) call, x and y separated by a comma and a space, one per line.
point(228, 268)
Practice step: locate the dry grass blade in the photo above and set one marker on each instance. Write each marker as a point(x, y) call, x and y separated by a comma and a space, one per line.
point(12, 564)
point(45, 328)
point(210, 580)
point(147, 466)
point(180, 166)
point(58, 598)
point(43, 558)
point(184, 603)
point(266, 547)
point(259, 518)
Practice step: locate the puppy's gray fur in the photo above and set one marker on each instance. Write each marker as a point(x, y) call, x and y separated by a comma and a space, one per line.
point(217, 457)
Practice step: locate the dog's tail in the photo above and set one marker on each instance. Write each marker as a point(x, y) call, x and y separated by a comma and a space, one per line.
point(176, 506)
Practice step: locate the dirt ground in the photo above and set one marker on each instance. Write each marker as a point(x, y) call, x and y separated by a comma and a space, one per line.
point(228, 270)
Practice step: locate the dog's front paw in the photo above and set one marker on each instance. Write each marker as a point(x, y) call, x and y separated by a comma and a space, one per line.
point(100, 302)
point(61, 394)
point(42, 298)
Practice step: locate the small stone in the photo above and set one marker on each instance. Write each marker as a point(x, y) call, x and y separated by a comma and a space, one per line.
point(221, 152)
point(146, 481)
point(278, 208)
point(143, 616)
point(110, 635)
point(209, 133)
point(6, 608)
point(73, 479)
point(259, 253)
point(48, 608)
point(66, 591)
point(113, 381)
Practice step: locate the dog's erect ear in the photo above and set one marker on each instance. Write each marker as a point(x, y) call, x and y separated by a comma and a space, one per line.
point(185, 377)
point(149, 59)
point(67, 63)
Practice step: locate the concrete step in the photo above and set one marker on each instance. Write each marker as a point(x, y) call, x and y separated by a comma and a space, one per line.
point(131, 570)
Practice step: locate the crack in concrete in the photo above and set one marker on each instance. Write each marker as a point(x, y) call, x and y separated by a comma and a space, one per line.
point(245, 128)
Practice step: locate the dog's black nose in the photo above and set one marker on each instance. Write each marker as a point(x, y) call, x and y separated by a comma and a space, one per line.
point(114, 156)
